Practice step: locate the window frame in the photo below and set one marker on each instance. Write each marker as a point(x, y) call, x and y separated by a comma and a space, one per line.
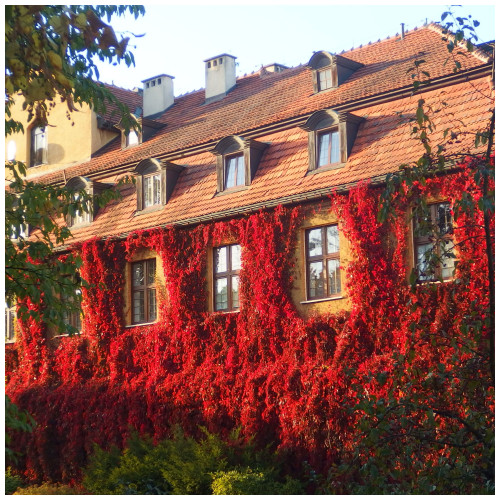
point(229, 274)
point(328, 132)
point(80, 218)
point(158, 196)
point(324, 258)
point(37, 159)
point(434, 238)
point(145, 288)
point(72, 317)
point(240, 168)
point(10, 324)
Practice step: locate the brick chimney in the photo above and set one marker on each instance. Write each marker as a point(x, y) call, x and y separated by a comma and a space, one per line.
point(220, 76)
point(158, 94)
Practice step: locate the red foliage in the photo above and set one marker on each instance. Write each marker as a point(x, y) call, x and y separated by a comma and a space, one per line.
point(266, 369)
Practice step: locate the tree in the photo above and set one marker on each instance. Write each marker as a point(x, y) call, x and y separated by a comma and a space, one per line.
point(51, 54)
point(427, 426)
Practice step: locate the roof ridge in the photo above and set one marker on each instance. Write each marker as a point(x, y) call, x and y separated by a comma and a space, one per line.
point(449, 35)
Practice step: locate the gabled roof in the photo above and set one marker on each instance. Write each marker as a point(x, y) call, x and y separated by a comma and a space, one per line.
point(258, 102)
point(270, 108)
point(131, 98)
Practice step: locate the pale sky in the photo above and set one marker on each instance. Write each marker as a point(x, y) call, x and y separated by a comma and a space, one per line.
point(177, 39)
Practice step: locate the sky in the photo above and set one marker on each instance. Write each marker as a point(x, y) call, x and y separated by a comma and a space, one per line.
point(177, 39)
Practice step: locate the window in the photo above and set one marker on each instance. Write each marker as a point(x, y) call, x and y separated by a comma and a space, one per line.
point(81, 216)
point(323, 262)
point(10, 321)
point(132, 138)
point(237, 161)
point(72, 313)
point(152, 190)
point(144, 291)
point(227, 265)
point(331, 137)
point(155, 182)
point(329, 71)
point(38, 146)
point(328, 148)
point(433, 240)
point(234, 172)
point(325, 79)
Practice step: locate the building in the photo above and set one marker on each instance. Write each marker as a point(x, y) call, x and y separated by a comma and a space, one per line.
point(280, 139)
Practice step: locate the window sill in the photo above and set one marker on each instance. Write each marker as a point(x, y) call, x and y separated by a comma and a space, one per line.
point(236, 189)
point(63, 335)
point(325, 168)
point(153, 208)
point(141, 324)
point(78, 226)
point(226, 312)
point(10, 342)
point(326, 299)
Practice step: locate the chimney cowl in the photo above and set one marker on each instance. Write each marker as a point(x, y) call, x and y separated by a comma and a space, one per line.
point(220, 76)
point(158, 94)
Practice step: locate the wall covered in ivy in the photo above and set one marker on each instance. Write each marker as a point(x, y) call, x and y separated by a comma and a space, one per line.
point(280, 377)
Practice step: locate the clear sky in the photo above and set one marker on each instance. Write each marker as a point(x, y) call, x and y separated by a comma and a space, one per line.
point(177, 39)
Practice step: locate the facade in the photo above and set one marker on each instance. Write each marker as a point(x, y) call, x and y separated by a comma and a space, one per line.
point(268, 148)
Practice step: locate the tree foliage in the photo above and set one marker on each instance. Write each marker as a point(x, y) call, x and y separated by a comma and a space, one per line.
point(51, 54)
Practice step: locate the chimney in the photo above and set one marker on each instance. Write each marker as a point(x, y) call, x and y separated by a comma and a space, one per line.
point(158, 94)
point(220, 76)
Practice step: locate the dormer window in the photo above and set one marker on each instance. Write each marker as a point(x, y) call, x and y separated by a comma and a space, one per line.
point(132, 138)
point(328, 148)
point(330, 71)
point(155, 183)
point(80, 188)
point(234, 172)
point(331, 138)
point(237, 162)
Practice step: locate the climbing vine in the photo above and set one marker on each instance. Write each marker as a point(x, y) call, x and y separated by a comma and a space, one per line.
point(280, 377)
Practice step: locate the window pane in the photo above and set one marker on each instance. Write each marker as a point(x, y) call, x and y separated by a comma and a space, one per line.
point(334, 276)
point(323, 146)
point(157, 189)
point(444, 219)
point(132, 138)
point(325, 79)
point(151, 271)
point(424, 261)
point(221, 260)
point(447, 259)
point(148, 191)
point(138, 273)
point(240, 176)
point(314, 243)
point(221, 294)
point(235, 257)
point(151, 304)
point(231, 172)
point(235, 285)
point(335, 147)
point(316, 281)
point(138, 307)
point(332, 239)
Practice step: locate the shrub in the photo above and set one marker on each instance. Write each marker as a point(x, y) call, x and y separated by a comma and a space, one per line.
point(249, 482)
point(50, 489)
point(12, 482)
point(185, 466)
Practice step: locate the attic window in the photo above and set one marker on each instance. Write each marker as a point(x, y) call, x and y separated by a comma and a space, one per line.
point(330, 71)
point(331, 138)
point(155, 183)
point(237, 161)
point(132, 138)
point(83, 188)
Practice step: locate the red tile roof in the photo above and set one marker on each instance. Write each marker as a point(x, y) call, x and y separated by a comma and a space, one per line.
point(131, 98)
point(382, 144)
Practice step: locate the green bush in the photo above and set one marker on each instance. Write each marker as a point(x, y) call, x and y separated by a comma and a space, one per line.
point(12, 482)
point(185, 466)
point(50, 489)
point(249, 482)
